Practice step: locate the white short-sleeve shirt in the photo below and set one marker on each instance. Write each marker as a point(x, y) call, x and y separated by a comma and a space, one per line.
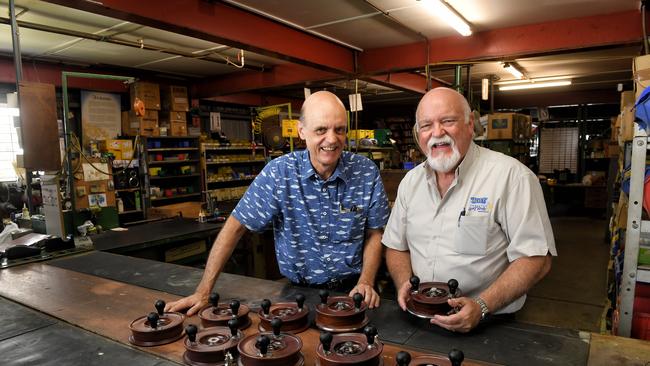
point(492, 214)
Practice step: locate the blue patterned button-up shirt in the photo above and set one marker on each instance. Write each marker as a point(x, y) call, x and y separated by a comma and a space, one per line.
point(319, 225)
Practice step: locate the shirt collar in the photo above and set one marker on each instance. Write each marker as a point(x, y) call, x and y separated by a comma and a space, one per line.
point(307, 170)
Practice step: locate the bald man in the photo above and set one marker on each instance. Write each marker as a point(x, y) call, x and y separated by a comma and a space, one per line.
point(327, 208)
point(467, 213)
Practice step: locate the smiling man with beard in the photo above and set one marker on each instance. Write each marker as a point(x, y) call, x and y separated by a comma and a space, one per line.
point(467, 213)
point(327, 208)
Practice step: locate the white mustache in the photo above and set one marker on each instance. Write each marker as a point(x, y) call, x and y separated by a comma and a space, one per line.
point(440, 140)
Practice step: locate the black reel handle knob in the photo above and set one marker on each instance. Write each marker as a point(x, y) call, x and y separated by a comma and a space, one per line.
point(276, 324)
point(453, 286)
point(357, 298)
point(323, 294)
point(234, 307)
point(214, 300)
point(266, 306)
point(152, 318)
point(300, 300)
point(370, 333)
point(415, 283)
point(456, 357)
point(233, 324)
point(262, 344)
point(326, 340)
point(403, 358)
point(160, 306)
point(191, 331)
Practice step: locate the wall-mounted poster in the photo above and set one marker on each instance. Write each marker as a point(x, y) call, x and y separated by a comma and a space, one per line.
point(100, 116)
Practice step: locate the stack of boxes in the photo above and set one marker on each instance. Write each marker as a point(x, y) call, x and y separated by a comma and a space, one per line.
point(146, 125)
point(175, 106)
point(509, 126)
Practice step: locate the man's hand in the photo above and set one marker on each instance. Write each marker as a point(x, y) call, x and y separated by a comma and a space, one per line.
point(370, 296)
point(403, 294)
point(465, 320)
point(194, 302)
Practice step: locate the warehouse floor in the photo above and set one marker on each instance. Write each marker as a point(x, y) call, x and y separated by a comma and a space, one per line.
point(573, 294)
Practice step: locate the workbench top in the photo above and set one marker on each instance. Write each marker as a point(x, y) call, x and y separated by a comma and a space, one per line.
point(86, 289)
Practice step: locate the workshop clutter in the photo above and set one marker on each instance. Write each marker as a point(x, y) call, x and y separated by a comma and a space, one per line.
point(184, 209)
point(228, 194)
point(120, 149)
point(641, 317)
point(158, 192)
point(171, 171)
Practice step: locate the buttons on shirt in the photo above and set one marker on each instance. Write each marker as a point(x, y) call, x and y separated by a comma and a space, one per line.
point(324, 213)
point(323, 189)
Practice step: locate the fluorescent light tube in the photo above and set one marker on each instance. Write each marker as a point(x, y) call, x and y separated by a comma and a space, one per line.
point(513, 70)
point(533, 80)
point(535, 85)
point(449, 15)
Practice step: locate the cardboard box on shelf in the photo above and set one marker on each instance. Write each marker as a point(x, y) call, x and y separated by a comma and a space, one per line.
point(626, 129)
point(186, 209)
point(166, 118)
point(146, 125)
point(178, 129)
point(627, 97)
point(121, 149)
point(149, 93)
point(361, 134)
point(508, 126)
point(174, 98)
point(641, 74)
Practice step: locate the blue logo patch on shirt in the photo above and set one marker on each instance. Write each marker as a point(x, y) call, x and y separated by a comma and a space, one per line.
point(478, 204)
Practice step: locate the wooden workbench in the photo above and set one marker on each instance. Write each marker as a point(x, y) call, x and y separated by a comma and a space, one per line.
point(103, 292)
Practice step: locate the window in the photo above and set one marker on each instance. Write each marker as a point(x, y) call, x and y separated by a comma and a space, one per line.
point(558, 149)
point(8, 143)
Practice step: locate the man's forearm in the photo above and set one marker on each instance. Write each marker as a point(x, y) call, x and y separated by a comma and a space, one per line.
point(372, 251)
point(399, 266)
point(520, 276)
point(222, 249)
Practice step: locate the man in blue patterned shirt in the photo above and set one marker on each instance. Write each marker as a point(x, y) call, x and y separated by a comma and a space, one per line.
point(327, 208)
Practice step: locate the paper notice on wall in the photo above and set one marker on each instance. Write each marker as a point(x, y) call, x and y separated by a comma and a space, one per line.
point(91, 174)
point(355, 102)
point(100, 116)
point(215, 121)
point(97, 200)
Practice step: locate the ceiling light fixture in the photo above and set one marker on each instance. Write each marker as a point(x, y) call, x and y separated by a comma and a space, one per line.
point(531, 85)
point(511, 68)
point(447, 13)
point(533, 80)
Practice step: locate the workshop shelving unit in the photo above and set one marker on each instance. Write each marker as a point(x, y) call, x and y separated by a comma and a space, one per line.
point(228, 170)
point(173, 169)
point(637, 236)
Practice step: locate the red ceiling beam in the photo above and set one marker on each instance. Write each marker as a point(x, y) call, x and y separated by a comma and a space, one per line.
point(250, 81)
point(257, 100)
point(51, 74)
point(220, 23)
point(404, 81)
point(535, 39)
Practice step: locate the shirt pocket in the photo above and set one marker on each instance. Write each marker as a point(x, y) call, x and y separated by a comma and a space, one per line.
point(471, 236)
point(348, 228)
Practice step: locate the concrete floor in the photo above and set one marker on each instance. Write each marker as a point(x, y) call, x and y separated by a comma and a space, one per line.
point(573, 294)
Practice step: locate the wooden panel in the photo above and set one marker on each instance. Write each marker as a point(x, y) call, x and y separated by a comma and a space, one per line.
point(391, 179)
point(39, 128)
point(610, 350)
point(107, 307)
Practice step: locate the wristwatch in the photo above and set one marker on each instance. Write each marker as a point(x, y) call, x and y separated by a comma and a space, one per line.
point(485, 312)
